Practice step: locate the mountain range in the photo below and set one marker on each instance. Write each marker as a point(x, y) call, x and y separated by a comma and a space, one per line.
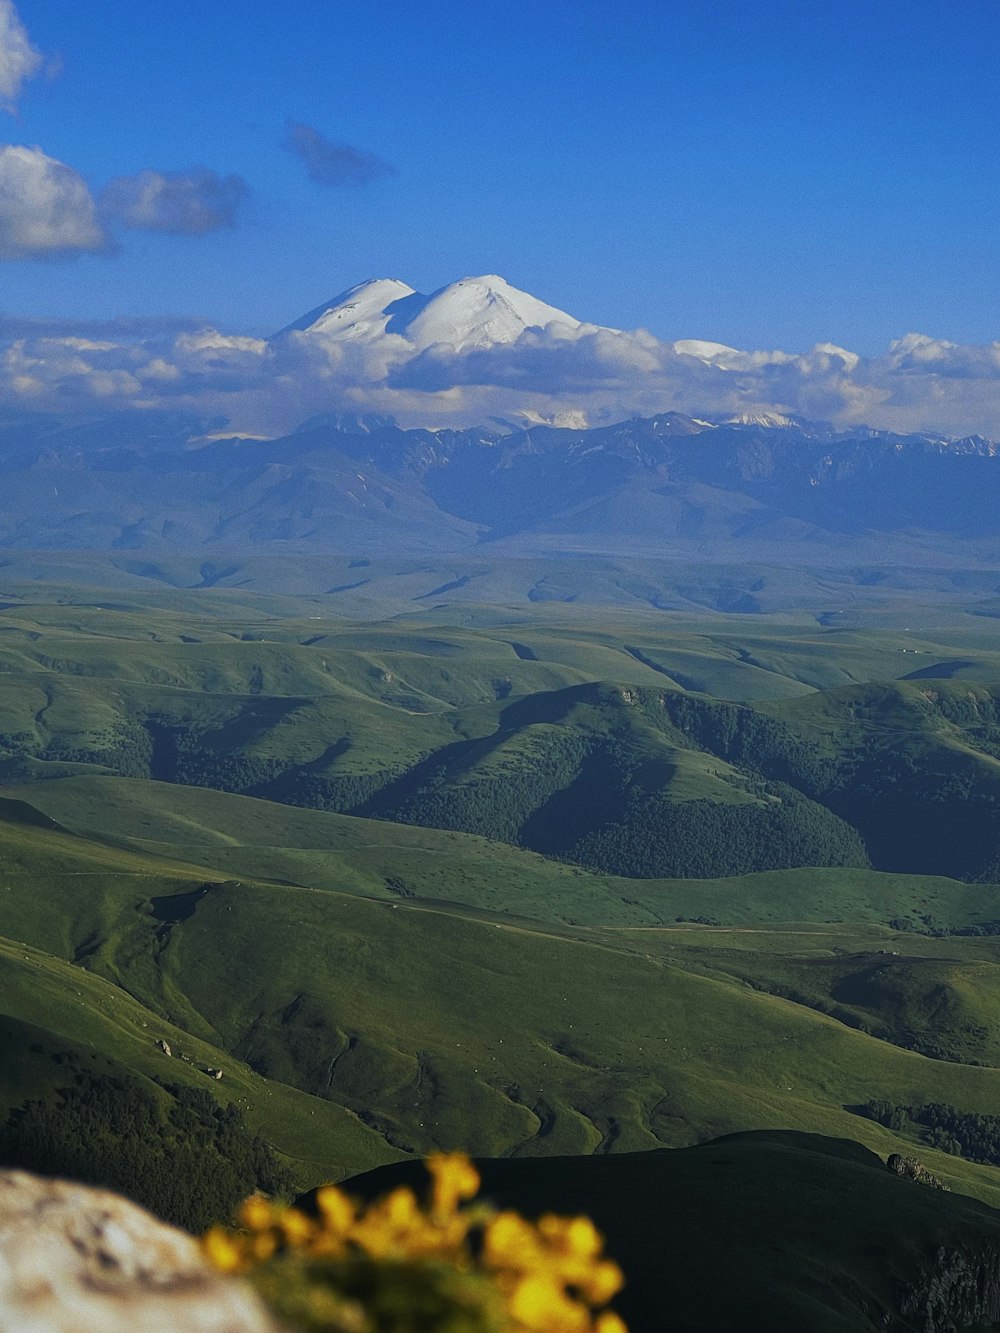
point(759, 485)
point(472, 352)
point(357, 484)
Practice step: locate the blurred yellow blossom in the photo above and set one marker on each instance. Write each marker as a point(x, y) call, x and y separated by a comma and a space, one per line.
point(455, 1181)
point(461, 1264)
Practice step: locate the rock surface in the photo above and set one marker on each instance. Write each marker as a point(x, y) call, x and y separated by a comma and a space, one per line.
point(910, 1169)
point(958, 1289)
point(80, 1260)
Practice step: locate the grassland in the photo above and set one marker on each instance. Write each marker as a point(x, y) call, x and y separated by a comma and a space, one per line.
point(577, 742)
point(373, 989)
point(508, 1035)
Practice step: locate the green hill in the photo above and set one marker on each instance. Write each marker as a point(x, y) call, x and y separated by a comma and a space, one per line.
point(355, 1029)
point(597, 745)
point(239, 836)
point(187, 854)
point(763, 1231)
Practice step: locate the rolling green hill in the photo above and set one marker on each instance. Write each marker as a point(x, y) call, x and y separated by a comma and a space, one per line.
point(521, 735)
point(351, 1027)
point(596, 774)
point(375, 873)
point(239, 836)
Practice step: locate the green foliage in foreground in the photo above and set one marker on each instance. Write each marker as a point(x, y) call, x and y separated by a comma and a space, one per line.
point(176, 1151)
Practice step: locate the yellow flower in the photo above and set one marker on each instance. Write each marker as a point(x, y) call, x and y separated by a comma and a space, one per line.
point(256, 1213)
point(296, 1229)
point(222, 1250)
point(576, 1235)
point(510, 1242)
point(548, 1276)
point(264, 1245)
point(337, 1210)
point(609, 1322)
point(601, 1282)
point(541, 1304)
point(455, 1180)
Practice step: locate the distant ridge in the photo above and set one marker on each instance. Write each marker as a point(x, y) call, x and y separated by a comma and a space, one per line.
point(358, 483)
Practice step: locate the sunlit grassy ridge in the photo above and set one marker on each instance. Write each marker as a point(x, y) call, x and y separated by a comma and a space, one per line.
point(435, 1028)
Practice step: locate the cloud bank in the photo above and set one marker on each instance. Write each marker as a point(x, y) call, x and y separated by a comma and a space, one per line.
point(330, 162)
point(587, 374)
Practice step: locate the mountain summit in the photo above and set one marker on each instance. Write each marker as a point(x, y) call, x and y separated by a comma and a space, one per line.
point(471, 313)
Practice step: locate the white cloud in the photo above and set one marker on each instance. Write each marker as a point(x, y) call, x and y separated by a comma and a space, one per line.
point(19, 60)
point(46, 209)
point(188, 203)
point(593, 374)
point(917, 352)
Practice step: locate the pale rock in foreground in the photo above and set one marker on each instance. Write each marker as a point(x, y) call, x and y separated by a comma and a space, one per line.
point(80, 1260)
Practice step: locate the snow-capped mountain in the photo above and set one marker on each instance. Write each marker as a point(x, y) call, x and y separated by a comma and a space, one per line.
point(481, 351)
point(766, 420)
point(473, 313)
point(359, 314)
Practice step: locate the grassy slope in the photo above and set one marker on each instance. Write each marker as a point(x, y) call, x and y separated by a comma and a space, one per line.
point(69, 1008)
point(729, 656)
point(308, 697)
point(575, 1034)
point(522, 1041)
point(344, 699)
point(62, 899)
point(237, 835)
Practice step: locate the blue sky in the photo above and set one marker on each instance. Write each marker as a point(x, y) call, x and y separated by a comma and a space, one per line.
point(768, 175)
point(788, 179)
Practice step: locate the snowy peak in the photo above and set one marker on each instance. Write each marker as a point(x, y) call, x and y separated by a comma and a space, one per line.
point(713, 354)
point(473, 313)
point(361, 312)
point(768, 420)
point(481, 312)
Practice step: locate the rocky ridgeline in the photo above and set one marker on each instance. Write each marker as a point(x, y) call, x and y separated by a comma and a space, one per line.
point(80, 1260)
